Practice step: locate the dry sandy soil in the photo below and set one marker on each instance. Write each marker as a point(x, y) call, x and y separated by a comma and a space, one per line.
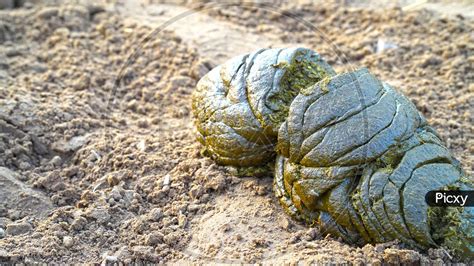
point(98, 161)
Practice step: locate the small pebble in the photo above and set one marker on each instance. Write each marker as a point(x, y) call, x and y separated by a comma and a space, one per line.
point(68, 241)
point(14, 229)
point(56, 161)
point(111, 259)
point(284, 223)
point(182, 220)
point(154, 238)
point(112, 180)
point(155, 214)
point(166, 180)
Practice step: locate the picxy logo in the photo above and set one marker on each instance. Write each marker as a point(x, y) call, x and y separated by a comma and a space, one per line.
point(454, 198)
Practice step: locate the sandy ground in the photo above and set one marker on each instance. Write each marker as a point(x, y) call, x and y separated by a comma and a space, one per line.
point(98, 162)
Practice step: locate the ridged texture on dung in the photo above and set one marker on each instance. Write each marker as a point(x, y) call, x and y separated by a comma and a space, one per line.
point(357, 158)
point(239, 106)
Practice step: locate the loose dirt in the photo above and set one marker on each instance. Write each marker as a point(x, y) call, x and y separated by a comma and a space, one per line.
point(95, 169)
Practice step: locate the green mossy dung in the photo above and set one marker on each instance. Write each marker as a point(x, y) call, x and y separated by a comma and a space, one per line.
point(239, 106)
point(353, 155)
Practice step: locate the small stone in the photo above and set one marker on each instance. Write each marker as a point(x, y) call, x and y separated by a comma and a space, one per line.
point(122, 253)
point(78, 223)
point(379, 248)
point(154, 238)
point(205, 198)
point(171, 238)
point(111, 201)
point(82, 83)
point(226, 227)
point(261, 190)
point(112, 180)
point(195, 191)
point(95, 9)
point(20, 228)
point(76, 143)
point(182, 220)
point(166, 180)
point(60, 186)
point(2, 233)
point(260, 242)
point(13, 52)
point(132, 105)
point(68, 241)
point(24, 165)
point(109, 259)
point(383, 45)
point(38, 145)
point(312, 233)
point(72, 171)
point(409, 256)
point(62, 31)
point(56, 161)
point(143, 123)
point(101, 215)
point(141, 145)
point(94, 156)
point(193, 207)
point(430, 61)
point(48, 12)
point(391, 256)
point(115, 194)
point(155, 214)
point(284, 223)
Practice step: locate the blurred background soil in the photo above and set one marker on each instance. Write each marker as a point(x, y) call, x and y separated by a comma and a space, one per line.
point(98, 162)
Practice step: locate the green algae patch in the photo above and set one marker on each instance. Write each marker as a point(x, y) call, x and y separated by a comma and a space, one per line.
point(252, 171)
point(453, 228)
point(305, 70)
